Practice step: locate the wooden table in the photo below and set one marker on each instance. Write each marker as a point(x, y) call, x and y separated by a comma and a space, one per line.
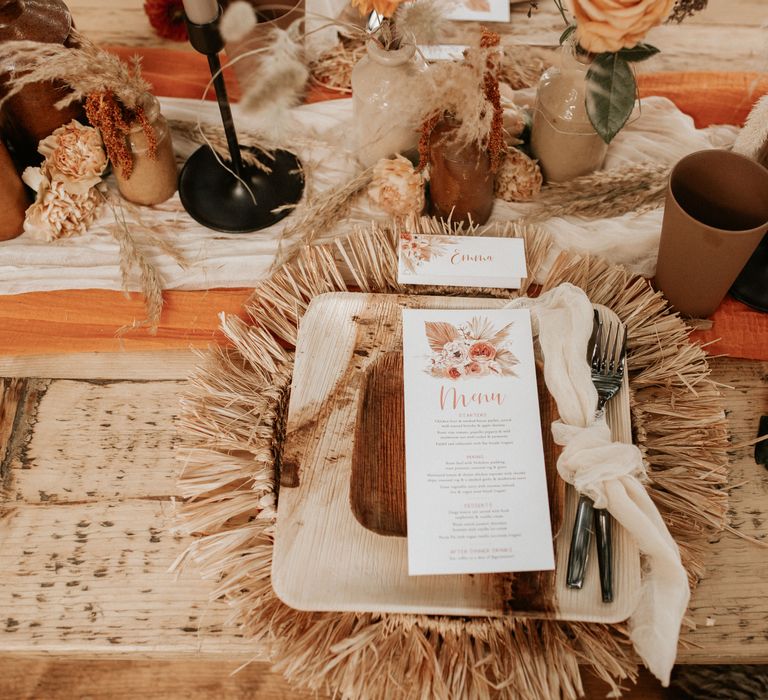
point(87, 459)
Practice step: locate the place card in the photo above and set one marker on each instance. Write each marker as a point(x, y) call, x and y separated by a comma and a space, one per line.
point(476, 491)
point(481, 11)
point(461, 261)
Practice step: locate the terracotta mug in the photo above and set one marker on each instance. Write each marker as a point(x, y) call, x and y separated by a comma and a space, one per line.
point(715, 215)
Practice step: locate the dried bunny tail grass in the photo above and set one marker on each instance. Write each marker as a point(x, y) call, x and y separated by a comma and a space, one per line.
point(424, 21)
point(238, 19)
point(233, 417)
point(605, 193)
point(86, 69)
point(215, 137)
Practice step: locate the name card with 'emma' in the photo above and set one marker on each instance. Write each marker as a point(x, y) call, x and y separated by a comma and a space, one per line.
point(476, 489)
point(461, 261)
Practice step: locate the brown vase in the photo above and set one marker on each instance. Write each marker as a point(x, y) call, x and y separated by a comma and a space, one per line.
point(13, 198)
point(460, 178)
point(30, 116)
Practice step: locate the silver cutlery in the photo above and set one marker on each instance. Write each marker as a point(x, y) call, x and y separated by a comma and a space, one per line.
point(606, 358)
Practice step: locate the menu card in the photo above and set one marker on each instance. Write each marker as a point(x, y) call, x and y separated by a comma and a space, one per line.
point(476, 486)
point(461, 261)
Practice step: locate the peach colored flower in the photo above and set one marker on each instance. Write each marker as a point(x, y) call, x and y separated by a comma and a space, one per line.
point(518, 178)
point(454, 373)
point(74, 155)
point(386, 8)
point(475, 368)
point(396, 187)
point(609, 25)
point(482, 351)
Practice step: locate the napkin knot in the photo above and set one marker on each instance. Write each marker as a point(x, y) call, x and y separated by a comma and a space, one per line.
point(590, 458)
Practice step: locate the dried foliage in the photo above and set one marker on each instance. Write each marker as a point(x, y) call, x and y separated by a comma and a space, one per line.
point(333, 69)
point(86, 69)
point(686, 8)
point(234, 418)
point(605, 193)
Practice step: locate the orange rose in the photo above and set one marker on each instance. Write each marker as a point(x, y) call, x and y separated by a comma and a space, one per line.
point(386, 8)
point(483, 352)
point(609, 25)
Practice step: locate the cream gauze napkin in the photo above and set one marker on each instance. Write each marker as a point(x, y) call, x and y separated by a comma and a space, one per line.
point(611, 473)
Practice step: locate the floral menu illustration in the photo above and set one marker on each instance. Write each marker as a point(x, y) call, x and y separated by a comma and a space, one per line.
point(475, 477)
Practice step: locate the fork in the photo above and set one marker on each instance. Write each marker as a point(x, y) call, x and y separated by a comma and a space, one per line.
point(607, 359)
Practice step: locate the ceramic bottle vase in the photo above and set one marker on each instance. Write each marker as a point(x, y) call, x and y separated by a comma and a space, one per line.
point(153, 179)
point(562, 137)
point(30, 116)
point(379, 81)
point(461, 183)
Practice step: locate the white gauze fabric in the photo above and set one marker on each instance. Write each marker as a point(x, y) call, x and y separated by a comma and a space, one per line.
point(611, 473)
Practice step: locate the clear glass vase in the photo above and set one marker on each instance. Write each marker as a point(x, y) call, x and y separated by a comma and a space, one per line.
point(562, 136)
point(380, 83)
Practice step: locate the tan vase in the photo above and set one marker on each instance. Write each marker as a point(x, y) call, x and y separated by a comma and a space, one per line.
point(152, 180)
point(562, 137)
point(13, 198)
point(379, 84)
point(30, 116)
point(461, 183)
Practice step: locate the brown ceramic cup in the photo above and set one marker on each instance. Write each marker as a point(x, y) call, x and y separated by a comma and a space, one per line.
point(715, 215)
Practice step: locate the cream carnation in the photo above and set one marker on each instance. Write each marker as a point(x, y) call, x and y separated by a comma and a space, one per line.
point(74, 156)
point(396, 187)
point(609, 25)
point(58, 212)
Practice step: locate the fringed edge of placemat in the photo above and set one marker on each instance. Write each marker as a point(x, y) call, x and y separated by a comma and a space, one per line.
point(233, 418)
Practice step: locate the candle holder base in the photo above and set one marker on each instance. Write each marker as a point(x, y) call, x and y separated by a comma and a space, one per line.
point(215, 198)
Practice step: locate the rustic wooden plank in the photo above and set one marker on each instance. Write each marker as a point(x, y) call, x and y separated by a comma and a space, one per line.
point(93, 578)
point(168, 364)
point(730, 606)
point(24, 678)
point(97, 441)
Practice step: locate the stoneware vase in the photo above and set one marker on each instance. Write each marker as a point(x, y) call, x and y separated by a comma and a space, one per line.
point(153, 179)
point(562, 136)
point(379, 81)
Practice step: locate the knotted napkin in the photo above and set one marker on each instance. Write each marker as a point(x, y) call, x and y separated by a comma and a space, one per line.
point(611, 473)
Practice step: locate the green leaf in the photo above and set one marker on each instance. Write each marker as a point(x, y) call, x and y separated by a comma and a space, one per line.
point(611, 91)
point(641, 52)
point(570, 29)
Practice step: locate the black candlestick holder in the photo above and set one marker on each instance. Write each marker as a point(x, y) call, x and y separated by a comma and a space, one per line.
point(240, 197)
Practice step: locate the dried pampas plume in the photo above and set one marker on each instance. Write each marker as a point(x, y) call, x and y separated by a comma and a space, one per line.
point(752, 140)
point(280, 81)
point(237, 21)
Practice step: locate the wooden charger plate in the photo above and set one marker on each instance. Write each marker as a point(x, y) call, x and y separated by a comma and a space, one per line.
point(341, 511)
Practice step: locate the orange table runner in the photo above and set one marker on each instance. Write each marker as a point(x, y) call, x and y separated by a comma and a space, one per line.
point(88, 320)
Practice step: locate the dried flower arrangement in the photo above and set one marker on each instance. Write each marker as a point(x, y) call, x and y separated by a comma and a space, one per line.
point(451, 90)
point(69, 182)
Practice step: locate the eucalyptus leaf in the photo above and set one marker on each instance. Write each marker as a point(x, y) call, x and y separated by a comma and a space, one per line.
point(641, 52)
point(611, 92)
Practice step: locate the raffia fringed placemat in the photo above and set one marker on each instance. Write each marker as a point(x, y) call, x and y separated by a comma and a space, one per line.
point(233, 417)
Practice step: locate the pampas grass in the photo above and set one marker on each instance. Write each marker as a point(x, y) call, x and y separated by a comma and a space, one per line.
point(423, 21)
point(752, 140)
point(238, 19)
point(85, 69)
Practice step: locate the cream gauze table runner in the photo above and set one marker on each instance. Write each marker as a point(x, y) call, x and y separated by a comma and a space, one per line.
point(321, 133)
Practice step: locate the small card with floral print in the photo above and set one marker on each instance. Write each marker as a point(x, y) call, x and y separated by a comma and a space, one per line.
point(461, 261)
point(481, 10)
point(476, 488)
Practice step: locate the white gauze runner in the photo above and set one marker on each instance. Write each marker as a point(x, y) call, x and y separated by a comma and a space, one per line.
point(611, 473)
